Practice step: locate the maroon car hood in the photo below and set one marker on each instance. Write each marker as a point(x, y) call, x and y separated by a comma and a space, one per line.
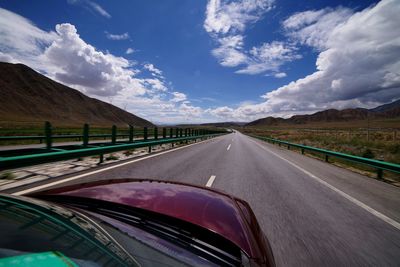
point(209, 209)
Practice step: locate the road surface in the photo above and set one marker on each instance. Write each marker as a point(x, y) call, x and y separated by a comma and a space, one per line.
point(314, 213)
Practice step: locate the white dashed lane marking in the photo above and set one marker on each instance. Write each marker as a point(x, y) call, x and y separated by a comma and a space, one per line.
point(210, 181)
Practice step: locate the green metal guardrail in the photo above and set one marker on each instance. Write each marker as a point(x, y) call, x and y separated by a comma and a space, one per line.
point(60, 136)
point(28, 160)
point(16, 158)
point(132, 132)
point(379, 165)
point(48, 134)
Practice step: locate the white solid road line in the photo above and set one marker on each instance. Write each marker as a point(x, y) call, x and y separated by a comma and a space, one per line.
point(210, 181)
point(343, 194)
point(229, 147)
point(33, 189)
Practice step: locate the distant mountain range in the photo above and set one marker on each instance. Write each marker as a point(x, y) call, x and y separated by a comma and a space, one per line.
point(28, 96)
point(387, 111)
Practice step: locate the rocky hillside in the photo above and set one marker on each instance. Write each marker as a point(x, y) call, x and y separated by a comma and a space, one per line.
point(28, 97)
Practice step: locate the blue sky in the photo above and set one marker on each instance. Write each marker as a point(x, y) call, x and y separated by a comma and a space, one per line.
point(205, 61)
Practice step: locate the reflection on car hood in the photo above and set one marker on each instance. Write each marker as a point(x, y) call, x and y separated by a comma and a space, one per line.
point(210, 209)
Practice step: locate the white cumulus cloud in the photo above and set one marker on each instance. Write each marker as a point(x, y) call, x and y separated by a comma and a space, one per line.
point(358, 64)
point(79, 64)
point(64, 56)
point(230, 52)
point(152, 69)
point(222, 112)
point(232, 16)
point(155, 84)
point(178, 97)
point(314, 27)
point(269, 57)
point(280, 75)
point(226, 22)
point(20, 38)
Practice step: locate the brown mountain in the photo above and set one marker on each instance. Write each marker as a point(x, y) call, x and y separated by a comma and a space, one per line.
point(28, 96)
point(387, 111)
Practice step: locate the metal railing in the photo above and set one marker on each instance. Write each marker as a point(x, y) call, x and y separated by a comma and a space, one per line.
point(26, 157)
point(380, 166)
point(48, 135)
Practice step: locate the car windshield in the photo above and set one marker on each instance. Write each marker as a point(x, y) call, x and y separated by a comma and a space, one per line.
point(97, 237)
point(32, 227)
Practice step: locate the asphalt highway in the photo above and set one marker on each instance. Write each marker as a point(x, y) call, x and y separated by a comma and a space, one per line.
point(313, 213)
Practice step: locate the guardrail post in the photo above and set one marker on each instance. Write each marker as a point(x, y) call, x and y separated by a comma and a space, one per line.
point(155, 133)
point(145, 133)
point(379, 174)
point(171, 133)
point(114, 134)
point(180, 132)
point(186, 132)
point(131, 134)
point(47, 133)
point(302, 151)
point(85, 135)
point(326, 158)
point(101, 159)
point(149, 147)
point(176, 132)
point(164, 133)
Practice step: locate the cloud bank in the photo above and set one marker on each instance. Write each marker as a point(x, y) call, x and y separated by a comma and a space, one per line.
point(358, 63)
